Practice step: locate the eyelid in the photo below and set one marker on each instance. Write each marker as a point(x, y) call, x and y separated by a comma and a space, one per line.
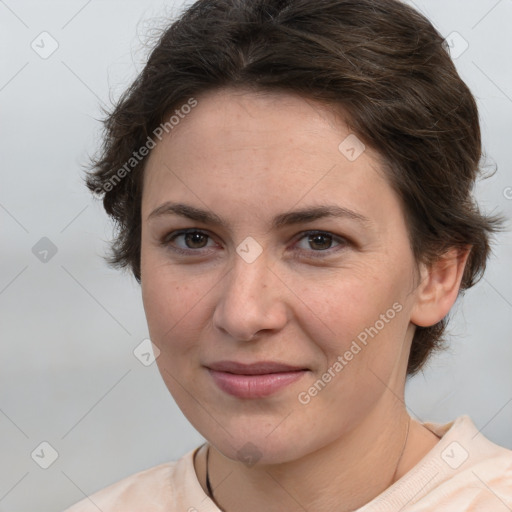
point(343, 241)
point(172, 235)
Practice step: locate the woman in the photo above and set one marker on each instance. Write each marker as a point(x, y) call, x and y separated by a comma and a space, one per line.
point(292, 185)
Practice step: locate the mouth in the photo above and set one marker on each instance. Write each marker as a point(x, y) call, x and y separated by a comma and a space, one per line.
point(255, 380)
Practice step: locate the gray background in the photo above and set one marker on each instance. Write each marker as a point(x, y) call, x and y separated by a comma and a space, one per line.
point(69, 326)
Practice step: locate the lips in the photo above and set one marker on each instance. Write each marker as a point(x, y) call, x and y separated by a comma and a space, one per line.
point(254, 380)
point(259, 368)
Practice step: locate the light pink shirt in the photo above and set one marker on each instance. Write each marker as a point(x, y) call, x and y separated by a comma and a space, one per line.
point(464, 472)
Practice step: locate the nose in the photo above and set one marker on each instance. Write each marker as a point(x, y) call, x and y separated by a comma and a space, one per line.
point(251, 300)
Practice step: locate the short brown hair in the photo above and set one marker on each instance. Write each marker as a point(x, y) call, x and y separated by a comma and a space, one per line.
point(380, 60)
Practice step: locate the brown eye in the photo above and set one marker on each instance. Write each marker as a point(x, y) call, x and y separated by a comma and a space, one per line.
point(192, 241)
point(195, 240)
point(321, 242)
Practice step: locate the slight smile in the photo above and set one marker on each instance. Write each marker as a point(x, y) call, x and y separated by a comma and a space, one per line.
point(255, 380)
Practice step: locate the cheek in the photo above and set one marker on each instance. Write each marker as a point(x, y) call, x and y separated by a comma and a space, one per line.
point(167, 299)
point(172, 307)
point(366, 317)
point(350, 304)
point(367, 327)
point(169, 308)
point(168, 304)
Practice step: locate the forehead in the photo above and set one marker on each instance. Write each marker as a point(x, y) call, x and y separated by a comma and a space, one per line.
point(238, 119)
point(245, 147)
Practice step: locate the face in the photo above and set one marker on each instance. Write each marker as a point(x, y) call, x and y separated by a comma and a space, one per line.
point(329, 295)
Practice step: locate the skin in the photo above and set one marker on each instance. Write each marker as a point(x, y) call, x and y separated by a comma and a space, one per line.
point(248, 157)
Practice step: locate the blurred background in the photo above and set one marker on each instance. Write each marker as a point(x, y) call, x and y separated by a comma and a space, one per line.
point(78, 409)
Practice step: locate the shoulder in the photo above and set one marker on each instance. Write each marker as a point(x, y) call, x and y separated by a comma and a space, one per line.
point(473, 473)
point(464, 471)
point(483, 480)
point(151, 490)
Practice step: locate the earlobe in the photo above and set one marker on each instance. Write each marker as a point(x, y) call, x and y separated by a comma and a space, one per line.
point(439, 287)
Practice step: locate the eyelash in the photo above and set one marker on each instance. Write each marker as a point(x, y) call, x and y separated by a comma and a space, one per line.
point(170, 237)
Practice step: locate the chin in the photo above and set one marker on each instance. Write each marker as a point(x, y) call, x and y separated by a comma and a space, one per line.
point(257, 450)
point(260, 443)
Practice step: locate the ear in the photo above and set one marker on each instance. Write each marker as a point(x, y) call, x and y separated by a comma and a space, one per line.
point(439, 287)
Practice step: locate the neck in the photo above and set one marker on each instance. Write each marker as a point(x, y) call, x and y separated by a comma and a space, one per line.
point(348, 473)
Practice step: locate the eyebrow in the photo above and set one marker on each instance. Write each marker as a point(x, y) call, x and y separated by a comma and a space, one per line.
point(304, 215)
